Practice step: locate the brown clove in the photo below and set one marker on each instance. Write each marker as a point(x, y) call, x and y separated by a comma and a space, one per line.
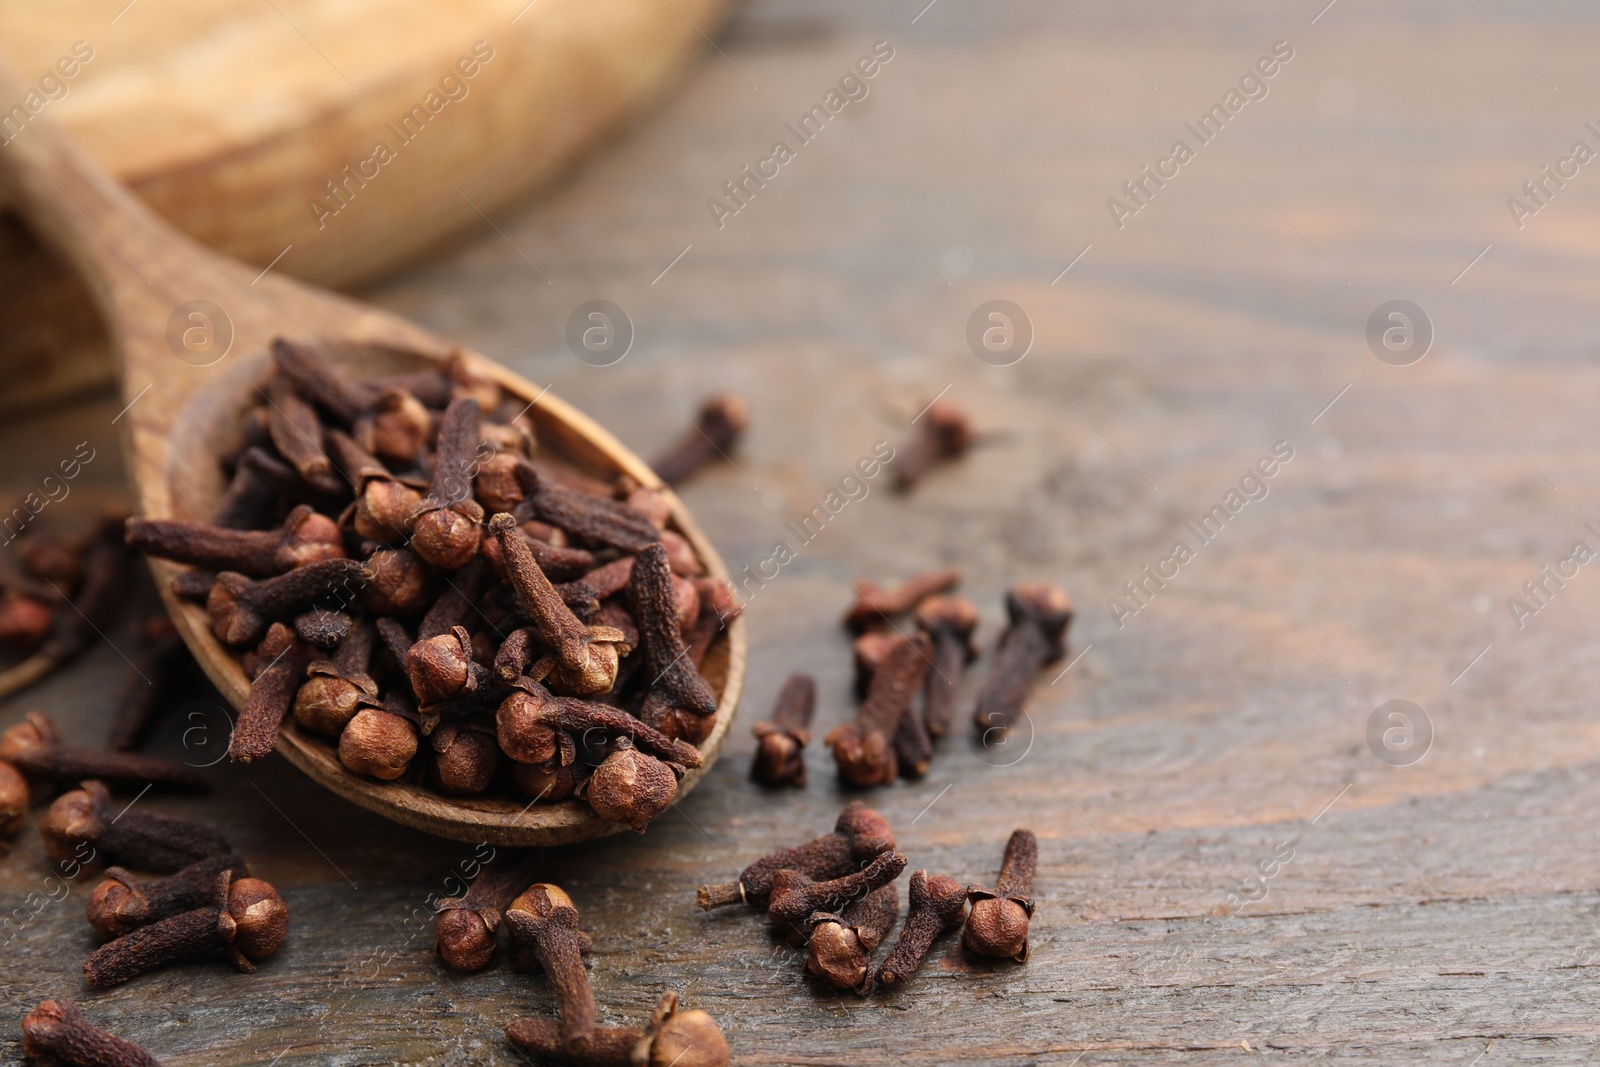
point(938, 906)
point(998, 923)
point(859, 835)
point(780, 743)
point(1040, 615)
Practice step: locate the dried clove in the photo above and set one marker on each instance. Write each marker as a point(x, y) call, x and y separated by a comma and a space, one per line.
point(335, 690)
point(305, 537)
point(1040, 615)
point(465, 930)
point(446, 524)
point(259, 481)
point(859, 835)
point(35, 748)
point(397, 583)
point(383, 502)
point(913, 744)
point(594, 518)
point(528, 721)
point(378, 742)
point(84, 827)
point(795, 895)
point(723, 418)
point(121, 904)
point(944, 433)
point(780, 744)
point(839, 946)
point(544, 924)
point(864, 750)
point(247, 918)
point(296, 431)
point(674, 681)
point(465, 758)
point(673, 1039)
point(584, 657)
point(56, 1031)
point(242, 609)
point(998, 924)
point(869, 650)
point(631, 787)
point(938, 906)
point(272, 694)
point(948, 622)
point(875, 606)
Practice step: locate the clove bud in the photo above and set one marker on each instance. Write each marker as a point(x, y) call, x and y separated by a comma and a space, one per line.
point(248, 919)
point(839, 947)
point(121, 904)
point(938, 905)
point(544, 924)
point(84, 823)
point(56, 1031)
point(780, 746)
point(1040, 615)
point(998, 924)
point(859, 834)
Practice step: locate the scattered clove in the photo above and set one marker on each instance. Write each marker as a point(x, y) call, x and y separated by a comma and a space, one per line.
point(944, 433)
point(938, 906)
point(864, 750)
point(56, 1031)
point(247, 918)
point(465, 930)
point(673, 1039)
point(839, 946)
point(859, 835)
point(1040, 615)
point(723, 418)
point(780, 746)
point(544, 924)
point(34, 748)
point(121, 904)
point(998, 923)
point(875, 606)
point(948, 622)
point(796, 895)
point(84, 827)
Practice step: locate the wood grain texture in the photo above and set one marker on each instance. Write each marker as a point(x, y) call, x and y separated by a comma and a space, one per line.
point(1430, 913)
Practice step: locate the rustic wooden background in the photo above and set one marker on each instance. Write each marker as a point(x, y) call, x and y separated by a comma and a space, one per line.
point(1443, 912)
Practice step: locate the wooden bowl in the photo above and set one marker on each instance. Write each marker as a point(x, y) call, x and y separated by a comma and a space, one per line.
point(211, 421)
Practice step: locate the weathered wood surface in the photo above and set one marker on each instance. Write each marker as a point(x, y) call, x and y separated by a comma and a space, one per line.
point(1439, 913)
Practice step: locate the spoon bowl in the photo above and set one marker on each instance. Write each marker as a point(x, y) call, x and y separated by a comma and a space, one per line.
point(192, 331)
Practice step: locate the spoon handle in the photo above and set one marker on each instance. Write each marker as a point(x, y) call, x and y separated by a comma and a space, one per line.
point(121, 248)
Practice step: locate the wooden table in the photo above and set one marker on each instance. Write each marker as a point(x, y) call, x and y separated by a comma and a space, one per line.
point(1227, 869)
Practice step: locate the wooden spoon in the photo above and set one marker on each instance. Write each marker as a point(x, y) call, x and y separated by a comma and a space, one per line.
point(192, 329)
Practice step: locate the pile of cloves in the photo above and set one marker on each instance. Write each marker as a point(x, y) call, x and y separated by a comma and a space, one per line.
point(206, 903)
point(403, 572)
point(836, 897)
point(908, 681)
